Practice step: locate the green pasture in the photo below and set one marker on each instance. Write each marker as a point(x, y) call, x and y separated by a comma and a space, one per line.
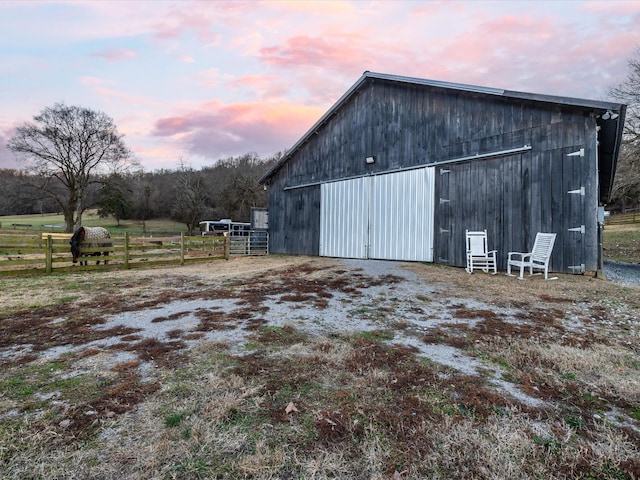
point(622, 242)
point(55, 223)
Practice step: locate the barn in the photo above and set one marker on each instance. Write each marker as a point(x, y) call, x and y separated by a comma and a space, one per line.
point(399, 168)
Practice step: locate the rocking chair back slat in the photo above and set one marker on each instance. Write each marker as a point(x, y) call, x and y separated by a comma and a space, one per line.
point(543, 246)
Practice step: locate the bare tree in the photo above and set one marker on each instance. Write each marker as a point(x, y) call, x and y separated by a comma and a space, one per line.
point(626, 189)
point(190, 197)
point(69, 148)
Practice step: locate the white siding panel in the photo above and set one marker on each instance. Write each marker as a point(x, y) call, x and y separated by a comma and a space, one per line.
point(401, 216)
point(344, 218)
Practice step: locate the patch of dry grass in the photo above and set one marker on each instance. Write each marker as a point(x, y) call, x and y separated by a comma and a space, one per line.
point(358, 405)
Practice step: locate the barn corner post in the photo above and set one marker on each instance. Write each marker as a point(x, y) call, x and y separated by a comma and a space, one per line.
point(600, 272)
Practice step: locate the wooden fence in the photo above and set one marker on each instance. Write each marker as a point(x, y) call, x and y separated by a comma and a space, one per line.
point(623, 218)
point(48, 252)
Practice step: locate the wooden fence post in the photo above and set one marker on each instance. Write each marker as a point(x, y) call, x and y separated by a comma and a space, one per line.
point(49, 255)
point(126, 250)
point(181, 248)
point(226, 247)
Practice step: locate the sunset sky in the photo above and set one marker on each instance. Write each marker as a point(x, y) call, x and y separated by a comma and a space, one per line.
point(203, 81)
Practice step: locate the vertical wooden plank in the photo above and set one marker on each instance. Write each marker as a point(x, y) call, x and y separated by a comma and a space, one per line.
point(493, 201)
point(181, 248)
point(49, 255)
point(536, 191)
point(462, 215)
point(573, 241)
point(557, 207)
point(529, 223)
point(126, 250)
point(546, 192)
point(590, 175)
point(442, 223)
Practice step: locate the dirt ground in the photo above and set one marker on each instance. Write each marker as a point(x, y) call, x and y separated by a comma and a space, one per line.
point(522, 378)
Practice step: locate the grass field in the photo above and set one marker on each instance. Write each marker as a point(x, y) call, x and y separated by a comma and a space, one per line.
point(51, 222)
point(230, 370)
point(314, 368)
point(622, 242)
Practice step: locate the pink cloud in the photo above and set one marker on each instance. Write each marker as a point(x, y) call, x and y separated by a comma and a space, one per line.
point(115, 54)
point(204, 19)
point(263, 87)
point(303, 50)
point(238, 128)
point(103, 88)
point(615, 9)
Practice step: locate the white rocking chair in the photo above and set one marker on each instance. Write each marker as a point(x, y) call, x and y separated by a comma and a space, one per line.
point(538, 258)
point(477, 254)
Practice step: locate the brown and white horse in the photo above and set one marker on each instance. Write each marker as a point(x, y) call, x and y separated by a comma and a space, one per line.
point(89, 237)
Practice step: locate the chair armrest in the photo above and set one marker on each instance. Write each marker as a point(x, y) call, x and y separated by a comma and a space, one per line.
point(523, 255)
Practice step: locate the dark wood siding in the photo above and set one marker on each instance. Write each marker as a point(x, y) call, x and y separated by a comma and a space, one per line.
point(512, 196)
point(294, 219)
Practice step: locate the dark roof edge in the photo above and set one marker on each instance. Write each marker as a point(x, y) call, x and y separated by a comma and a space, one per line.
point(552, 99)
point(616, 149)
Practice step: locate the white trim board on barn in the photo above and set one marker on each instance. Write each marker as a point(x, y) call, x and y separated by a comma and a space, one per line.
point(385, 217)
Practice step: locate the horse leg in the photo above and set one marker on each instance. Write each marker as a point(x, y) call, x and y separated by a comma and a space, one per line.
point(106, 254)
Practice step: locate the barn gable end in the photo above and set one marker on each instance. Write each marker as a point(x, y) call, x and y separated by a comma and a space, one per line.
point(509, 162)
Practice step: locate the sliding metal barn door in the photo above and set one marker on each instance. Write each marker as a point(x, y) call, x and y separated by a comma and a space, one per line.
point(401, 216)
point(344, 218)
point(383, 217)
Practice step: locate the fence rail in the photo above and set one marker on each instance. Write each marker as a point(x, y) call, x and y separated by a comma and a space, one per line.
point(623, 219)
point(50, 252)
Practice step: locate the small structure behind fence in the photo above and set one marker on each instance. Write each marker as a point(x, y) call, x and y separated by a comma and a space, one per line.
point(50, 251)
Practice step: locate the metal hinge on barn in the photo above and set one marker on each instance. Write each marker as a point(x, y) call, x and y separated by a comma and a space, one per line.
point(579, 153)
point(577, 268)
point(580, 191)
point(580, 229)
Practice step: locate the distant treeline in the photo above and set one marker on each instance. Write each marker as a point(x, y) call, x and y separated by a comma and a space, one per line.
point(227, 189)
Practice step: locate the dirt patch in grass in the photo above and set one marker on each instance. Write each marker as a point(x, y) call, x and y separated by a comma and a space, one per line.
point(297, 367)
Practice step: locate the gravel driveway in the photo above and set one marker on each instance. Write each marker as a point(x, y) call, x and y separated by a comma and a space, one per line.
point(622, 273)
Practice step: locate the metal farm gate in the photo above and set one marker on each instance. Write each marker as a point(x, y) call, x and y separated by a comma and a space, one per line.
point(250, 242)
point(386, 217)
